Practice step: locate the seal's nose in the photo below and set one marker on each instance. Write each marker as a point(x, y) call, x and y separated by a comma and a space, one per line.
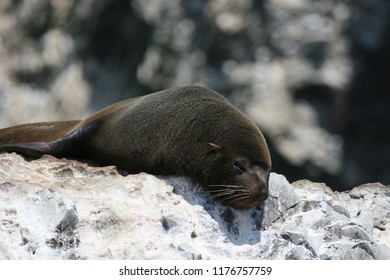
point(265, 193)
point(262, 192)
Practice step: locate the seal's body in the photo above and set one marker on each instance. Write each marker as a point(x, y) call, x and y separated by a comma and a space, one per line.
point(189, 131)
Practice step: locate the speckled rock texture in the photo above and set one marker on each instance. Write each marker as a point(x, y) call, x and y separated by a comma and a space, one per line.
point(64, 209)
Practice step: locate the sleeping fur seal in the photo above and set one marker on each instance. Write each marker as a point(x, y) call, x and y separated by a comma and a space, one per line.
point(190, 131)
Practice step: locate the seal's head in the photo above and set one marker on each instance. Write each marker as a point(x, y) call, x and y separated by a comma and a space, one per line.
point(239, 179)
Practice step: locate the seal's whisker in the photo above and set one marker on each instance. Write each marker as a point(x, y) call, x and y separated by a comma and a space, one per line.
point(228, 193)
point(241, 191)
point(218, 191)
point(235, 195)
point(231, 198)
point(226, 186)
point(239, 198)
point(222, 194)
point(218, 194)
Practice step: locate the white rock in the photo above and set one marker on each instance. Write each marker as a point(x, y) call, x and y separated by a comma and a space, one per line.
point(63, 209)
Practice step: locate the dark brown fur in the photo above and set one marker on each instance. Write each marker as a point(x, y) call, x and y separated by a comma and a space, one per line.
point(189, 131)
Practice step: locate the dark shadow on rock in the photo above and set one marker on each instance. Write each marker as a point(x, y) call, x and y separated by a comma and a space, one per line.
point(240, 226)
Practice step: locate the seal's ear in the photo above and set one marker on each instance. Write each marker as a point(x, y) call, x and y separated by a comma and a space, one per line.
point(215, 147)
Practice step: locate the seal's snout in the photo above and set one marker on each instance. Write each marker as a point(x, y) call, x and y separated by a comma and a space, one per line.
point(246, 190)
point(265, 193)
point(257, 185)
point(261, 191)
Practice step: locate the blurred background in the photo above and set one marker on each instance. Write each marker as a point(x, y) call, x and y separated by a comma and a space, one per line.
point(314, 75)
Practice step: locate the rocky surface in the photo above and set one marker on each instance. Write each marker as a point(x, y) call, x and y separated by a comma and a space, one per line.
point(313, 74)
point(63, 209)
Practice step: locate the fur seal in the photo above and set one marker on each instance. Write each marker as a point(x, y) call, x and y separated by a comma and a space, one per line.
point(190, 131)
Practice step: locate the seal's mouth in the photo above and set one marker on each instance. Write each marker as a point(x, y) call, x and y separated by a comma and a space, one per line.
point(237, 196)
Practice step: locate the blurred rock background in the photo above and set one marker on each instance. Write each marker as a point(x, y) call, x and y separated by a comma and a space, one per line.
point(315, 75)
